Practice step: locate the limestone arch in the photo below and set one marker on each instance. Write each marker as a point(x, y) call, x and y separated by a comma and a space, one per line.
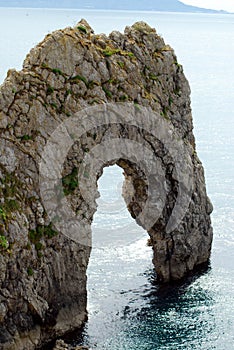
point(43, 271)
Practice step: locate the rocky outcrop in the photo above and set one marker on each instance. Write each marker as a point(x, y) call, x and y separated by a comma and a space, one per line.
point(82, 102)
point(61, 345)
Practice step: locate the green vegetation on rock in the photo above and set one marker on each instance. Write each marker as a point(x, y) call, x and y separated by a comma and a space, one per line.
point(40, 232)
point(153, 76)
point(26, 137)
point(107, 92)
point(4, 244)
point(82, 29)
point(109, 51)
point(9, 187)
point(121, 64)
point(123, 98)
point(54, 105)
point(70, 182)
point(3, 214)
point(30, 271)
point(81, 78)
point(49, 90)
point(57, 71)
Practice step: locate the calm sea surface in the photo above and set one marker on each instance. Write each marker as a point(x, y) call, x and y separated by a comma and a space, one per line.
point(127, 310)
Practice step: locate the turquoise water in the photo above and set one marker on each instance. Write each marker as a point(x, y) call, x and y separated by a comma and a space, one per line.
point(127, 310)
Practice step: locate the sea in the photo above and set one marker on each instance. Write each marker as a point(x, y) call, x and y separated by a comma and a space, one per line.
point(127, 309)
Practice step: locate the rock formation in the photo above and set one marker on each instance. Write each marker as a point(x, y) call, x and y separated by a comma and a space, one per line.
point(61, 345)
point(43, 270)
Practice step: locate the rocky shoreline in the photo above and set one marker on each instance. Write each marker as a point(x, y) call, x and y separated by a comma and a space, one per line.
point(61, 345)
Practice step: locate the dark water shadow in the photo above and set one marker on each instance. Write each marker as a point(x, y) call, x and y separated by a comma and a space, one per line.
point(152, 313)
point(71, 338)
point(159, 296)
point(175, 288)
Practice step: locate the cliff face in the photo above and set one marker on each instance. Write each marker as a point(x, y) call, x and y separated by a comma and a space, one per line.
point(82, 102)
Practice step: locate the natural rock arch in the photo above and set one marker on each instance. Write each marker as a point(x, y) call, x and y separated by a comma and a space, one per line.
point(42, 271)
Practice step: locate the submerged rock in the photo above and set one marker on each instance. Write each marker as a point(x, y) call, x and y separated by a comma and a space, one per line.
point(61, 345)
point(84, 101)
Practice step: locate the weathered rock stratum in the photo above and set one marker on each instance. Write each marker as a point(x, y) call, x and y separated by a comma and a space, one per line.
point(119, 99)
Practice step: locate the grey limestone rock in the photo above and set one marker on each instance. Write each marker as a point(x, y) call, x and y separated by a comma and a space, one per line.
point(135, 77)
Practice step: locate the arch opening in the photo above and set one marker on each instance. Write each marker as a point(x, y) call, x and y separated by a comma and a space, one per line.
point(114, 216)
point(120, 259)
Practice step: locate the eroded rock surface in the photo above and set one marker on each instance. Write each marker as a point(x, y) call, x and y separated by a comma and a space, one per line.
point(43, 272)
point(61, 345)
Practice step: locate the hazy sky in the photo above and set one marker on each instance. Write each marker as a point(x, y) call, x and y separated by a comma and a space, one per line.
point(227, 5)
